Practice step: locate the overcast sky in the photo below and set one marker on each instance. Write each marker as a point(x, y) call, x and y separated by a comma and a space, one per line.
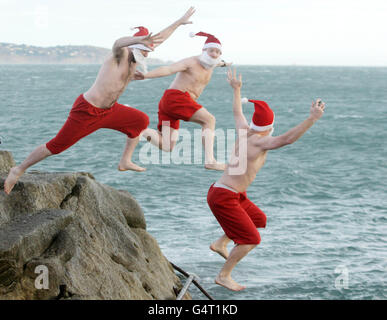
point(263, 32)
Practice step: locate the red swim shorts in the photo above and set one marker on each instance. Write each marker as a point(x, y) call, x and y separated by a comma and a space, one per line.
point(176, 105)
point(84, 119)
point(237, 215)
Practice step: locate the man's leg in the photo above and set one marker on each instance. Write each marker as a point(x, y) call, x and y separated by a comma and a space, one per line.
point(15, 173)
point(131, 122)
point(256, 215)
point(126, 159)
point(71, 132)
point(237, 225)
point(220, 246)
point(153, 136)
point(164, 140)
point(207, 121)
point(224, 277)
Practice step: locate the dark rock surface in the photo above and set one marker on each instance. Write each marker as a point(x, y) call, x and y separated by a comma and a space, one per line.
point(90, 238)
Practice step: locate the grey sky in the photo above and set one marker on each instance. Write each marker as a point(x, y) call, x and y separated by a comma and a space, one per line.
point(311, 32)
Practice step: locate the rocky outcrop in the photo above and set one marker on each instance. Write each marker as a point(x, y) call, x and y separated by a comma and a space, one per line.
point(66, 236)
point(6, 161)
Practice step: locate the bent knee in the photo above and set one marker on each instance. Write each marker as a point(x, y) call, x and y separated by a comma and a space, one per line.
point(168, 146)
point(143, 121)
point(52, 147)
point(263, 222)
point(252, 240)
point(210, 120)
point(255, 239)
point(260, 220)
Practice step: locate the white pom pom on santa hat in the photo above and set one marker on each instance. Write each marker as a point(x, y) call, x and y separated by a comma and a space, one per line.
point(192, 34)
point(244, 100)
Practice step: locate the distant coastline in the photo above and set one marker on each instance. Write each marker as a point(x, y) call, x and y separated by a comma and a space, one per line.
point(11, 53)
point(14, 54)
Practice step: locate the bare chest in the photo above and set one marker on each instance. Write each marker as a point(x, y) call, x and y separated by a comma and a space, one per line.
point(200, 75)
point(124, 72)
point(257, 162)
point(117, 74)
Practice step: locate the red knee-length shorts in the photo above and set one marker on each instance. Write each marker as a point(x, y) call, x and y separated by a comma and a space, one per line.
point(237, 215)
point(84, 119)
point(176, 105)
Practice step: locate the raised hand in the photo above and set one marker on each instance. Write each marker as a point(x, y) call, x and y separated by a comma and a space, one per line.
point(149, 41)
point(317, 109)
point(232, 80)
point(185, 19)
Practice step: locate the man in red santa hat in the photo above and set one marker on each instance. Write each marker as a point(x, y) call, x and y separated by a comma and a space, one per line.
point(227, 199)
point(98, 107)
point(179, 101)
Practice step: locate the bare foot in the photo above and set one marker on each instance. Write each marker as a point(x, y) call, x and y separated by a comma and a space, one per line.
point(215, 166)
point(219, 248)
point(13, 176)
point(229, 283)
point(130, 166)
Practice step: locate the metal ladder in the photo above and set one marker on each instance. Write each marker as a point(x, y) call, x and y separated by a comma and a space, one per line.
point(192, 278)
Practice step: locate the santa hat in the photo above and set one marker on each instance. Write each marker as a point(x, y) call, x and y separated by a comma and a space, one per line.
point(142, 31)
point(263, 117)
point(211, 41)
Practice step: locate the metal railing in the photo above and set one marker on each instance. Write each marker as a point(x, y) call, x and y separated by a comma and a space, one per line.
point(191, 278)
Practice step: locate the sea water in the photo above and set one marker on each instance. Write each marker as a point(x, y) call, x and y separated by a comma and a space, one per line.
point(324, 196)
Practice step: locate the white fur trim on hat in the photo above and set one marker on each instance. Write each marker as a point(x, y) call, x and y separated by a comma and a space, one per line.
point(212, 45)
point(139, 46)
point(261, 128)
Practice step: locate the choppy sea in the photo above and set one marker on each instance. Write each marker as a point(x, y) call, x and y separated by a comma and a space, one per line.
point(324, 196)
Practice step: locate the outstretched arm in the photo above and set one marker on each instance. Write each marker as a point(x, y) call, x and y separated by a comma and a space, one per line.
point(316, 112)
point(123, 42)
point(236, 84)
point(165, 33)
point(167, 70)
point(119, 44)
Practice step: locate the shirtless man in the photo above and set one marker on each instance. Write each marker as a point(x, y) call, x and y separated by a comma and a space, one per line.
point(179, 101)
point(98, 108)
point(227, 199)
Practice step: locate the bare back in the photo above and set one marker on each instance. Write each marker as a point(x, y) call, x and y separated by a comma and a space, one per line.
point(112, 79)
point(194, 79)
point(241, 170)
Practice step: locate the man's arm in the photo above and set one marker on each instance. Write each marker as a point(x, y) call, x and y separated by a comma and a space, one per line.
point(270, 143)
point(121, 43)
point(168, 70)
point(165, 33)
point(236, 84)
